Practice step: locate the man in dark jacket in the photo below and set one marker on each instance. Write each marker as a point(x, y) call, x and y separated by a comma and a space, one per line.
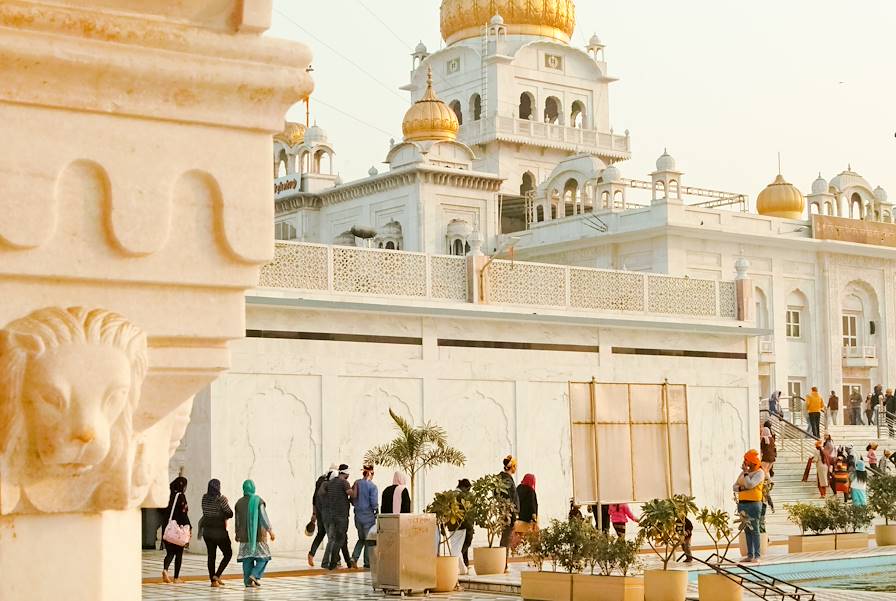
point(336, 497)
point(317, 515)
point(507, 476)
point(890, 403)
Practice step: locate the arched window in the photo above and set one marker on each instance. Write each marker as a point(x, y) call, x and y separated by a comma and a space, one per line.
point(527, 184)
point(659, 189)
point(577, 116)
point(455, 106)
point(527, 102)
point(324, 162)
point(281, 168)
point(813, 209)
point(618, 201)
point(828, 209)
point(539, 213)
point(673, 189)
point(476, 107)
point(304, 162)
point(390, 245)
point(552, 110)
point(570, 197)
point(458, 247)
point(605, 200)
point(855, 206)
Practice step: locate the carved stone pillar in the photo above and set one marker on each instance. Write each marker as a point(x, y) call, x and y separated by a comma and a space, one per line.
point(135, 196)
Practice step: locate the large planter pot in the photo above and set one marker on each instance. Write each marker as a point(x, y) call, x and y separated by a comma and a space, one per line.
point(665, 585)
point(885, 535)
point(811, 543)
point(763, 544)
point(545, 586)
point(607, 588)
point(447, 570)
point(715, 587)
point(853, 540)
point(489, 560)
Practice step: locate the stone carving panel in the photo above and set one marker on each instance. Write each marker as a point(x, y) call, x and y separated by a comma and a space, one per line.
point(301, 266)
point(449, 278)
point(681, 296)
point(727, 300)
point(606, 290)
point(379, 272)
point(718, 431)
point(526, 284)
point(70, 382)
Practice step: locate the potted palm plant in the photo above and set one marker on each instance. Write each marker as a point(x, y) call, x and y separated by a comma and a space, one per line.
point(662, 524)
point(853, 526)
point(493, 511)
point(882, 501)
point(722, 532)
point(814, 519)
point(616, 559)
point(450, 507)
point(415, 449)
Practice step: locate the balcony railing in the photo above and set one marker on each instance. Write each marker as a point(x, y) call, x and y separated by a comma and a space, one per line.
point(859, 352)
point(548, 134)
point(344, 270)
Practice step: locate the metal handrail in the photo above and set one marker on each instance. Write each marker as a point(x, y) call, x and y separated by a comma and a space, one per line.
point(788, 434)
point(763, 585)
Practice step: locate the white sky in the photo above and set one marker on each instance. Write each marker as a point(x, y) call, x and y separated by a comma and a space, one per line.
point(725, 85)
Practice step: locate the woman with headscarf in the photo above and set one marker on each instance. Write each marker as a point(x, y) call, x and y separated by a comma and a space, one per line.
point(527, 521)
point(252, 531)
point(213, 530)
point(748, 487)
point(175, 511)
point(859, 485)
point(396, 498)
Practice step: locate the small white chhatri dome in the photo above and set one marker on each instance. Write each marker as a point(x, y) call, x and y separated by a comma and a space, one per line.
point(595, 41)
point(611, 174)
point(820, 185)
point(459, 228)
point(496, 20)
point(315, 135)
point(880, 194)
point(666, 162)
point(372, 171)
point(421, 48)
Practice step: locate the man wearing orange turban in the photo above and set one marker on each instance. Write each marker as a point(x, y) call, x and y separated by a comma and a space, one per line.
point(749, 486)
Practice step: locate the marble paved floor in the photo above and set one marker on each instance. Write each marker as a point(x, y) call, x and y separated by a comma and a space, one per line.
point(342, 587)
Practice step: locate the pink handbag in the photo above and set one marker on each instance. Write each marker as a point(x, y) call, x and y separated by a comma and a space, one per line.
point(174, 532)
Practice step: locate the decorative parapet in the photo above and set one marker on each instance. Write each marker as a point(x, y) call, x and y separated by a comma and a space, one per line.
point(373, 272)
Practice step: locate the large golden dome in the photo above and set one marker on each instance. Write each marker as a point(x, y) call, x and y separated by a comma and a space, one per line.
point(429, 119)
point(463, 19)
point(780, 199)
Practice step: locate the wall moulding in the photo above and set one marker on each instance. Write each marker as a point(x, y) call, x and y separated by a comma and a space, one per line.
point(54, 55)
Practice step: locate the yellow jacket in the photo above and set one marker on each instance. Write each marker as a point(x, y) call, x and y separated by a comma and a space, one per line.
point(814, 403)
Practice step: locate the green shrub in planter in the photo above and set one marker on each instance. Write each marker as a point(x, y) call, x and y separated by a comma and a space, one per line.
point(859, 518)
point(450, 508)
point(837, 514)
point(611, 553)
point(492, 510)
point(808, 517)
point(882, 496)
point(662, 524)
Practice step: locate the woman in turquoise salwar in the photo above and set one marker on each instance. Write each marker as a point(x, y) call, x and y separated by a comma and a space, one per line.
point(252, 531)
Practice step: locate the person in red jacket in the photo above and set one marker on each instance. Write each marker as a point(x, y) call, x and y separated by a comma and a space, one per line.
point(620, 514)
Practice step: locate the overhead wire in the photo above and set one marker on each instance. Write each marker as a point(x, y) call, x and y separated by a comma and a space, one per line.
point(354, 118)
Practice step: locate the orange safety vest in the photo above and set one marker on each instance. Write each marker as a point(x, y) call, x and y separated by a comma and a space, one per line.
point(754, 494)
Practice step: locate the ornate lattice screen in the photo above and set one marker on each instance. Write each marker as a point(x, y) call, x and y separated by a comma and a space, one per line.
point(629, 442)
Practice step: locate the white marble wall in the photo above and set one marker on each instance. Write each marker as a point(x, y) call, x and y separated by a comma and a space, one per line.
point(289, 408)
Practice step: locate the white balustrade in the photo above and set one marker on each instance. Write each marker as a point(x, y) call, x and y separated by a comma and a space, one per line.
point(442, 278)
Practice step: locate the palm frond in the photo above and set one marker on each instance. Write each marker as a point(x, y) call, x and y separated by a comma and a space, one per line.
point(402, 424)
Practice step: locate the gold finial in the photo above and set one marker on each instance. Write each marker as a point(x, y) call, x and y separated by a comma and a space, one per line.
point(779, 163)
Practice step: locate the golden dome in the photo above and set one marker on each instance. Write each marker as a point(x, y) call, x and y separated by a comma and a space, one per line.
point(463, 19)
point(780, 199)
point(429, 118)
point(292, 134)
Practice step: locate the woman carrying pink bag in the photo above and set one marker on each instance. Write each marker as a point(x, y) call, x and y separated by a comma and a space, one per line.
point(177, 529)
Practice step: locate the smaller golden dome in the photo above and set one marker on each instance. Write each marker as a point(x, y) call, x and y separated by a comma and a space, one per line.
point(429, 119)
point(781, 199)
point(292, 134)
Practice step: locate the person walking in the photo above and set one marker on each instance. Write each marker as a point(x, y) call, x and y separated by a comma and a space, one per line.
point(318, 518)
point(767, 447)
point(367, 505)
point(620, 514)
point(814, 407)
point(396, 498)
point(213, 530)
point(821, 469)
point(527, 521)
point(338, 494)
point(774, 405)
point(890, 407)
point(859, 485)
point(833, 414)
point(253, 529)
point(855, 404)
point(840, 476)
point(467, 526)
point(871, 451)
point(749, 486)
point(869, 409)
point(511, 494)
point(177, 511)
